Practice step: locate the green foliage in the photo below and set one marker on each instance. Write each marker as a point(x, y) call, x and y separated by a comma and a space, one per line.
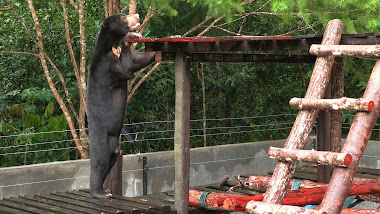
point(358, 16)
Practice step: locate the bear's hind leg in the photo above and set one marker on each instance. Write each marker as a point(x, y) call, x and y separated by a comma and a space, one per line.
point(113, 151)
point(99, 160)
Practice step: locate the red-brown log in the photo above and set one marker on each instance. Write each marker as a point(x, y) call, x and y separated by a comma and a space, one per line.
point(346, 50)
point(301, 197)
point(262, 207)
point(332, 104)
point(312, 156)
point(261, 183)
point(359, 211)
point(303, 125)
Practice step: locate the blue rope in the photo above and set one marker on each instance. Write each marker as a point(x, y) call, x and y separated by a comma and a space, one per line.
point(296, 184)
point(310, 206)
point(202, 199)
point(349, 201)
point(346, 204)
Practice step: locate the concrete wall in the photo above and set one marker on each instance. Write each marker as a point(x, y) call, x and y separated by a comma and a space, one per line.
point(208, 165)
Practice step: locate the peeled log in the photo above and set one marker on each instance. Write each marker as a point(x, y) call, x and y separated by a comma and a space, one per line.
point(301, 197)
point(332, 104)
point(262, 207)
point(311, 156)
point(359, 211)
point(346, 50)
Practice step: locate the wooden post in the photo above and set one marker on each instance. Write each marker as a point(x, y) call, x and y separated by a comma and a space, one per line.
point(303, 125)
point(182, 133)
point(356, 143)
point(114, 179)
point(324, 139)
point(337, 90)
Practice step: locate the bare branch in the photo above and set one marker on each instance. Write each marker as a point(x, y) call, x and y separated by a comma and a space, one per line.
point(211, 25)
point(199, 25)
point(71, 52)
point(72, 2)
point(62, 79)
point(246, 2)
point(132, 82)
point(4, 9)
point(147, 18)
point(81, 149)
point(18, 52)
point(142, 80)
point(23, 23)
point(227, 31)
point(300, 29)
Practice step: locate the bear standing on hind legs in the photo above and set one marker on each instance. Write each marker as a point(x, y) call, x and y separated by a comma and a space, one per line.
point(107, 94)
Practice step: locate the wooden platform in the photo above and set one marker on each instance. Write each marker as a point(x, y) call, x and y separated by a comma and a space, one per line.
point(80, 202)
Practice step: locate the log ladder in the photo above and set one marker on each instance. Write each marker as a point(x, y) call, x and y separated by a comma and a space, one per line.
point(347, 161)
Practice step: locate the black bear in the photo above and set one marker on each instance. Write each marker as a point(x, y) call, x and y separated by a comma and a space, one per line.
point(107, 93)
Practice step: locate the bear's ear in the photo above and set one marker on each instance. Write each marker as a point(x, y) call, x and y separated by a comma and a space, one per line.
point(107, 22)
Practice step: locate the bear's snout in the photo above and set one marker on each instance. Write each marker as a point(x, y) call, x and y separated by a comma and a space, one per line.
point(133, 21)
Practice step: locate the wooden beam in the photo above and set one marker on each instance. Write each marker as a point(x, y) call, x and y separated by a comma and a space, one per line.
point(242, 57)
point(249, 43)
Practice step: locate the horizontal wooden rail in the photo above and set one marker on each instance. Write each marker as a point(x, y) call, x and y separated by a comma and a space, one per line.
point(346, 50)
point(320, 157)
point(332, 104)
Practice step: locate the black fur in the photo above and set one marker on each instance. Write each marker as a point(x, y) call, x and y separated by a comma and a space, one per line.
point(106, 97)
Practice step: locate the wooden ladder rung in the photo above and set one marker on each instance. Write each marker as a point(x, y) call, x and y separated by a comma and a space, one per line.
point(311, 156)
point(346, 50)
point(343, 103)
point(262, 207)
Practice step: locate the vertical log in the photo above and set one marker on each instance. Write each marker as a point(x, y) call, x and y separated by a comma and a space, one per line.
point(324, 140)
point(305, 119)
point(356, 143)
point(182, 133)
point(337, 91)
point(114, 179)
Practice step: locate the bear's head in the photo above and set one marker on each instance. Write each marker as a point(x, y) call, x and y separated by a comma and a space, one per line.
point(120, 24)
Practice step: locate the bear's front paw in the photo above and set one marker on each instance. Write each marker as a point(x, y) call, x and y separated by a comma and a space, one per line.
point(133, 35)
